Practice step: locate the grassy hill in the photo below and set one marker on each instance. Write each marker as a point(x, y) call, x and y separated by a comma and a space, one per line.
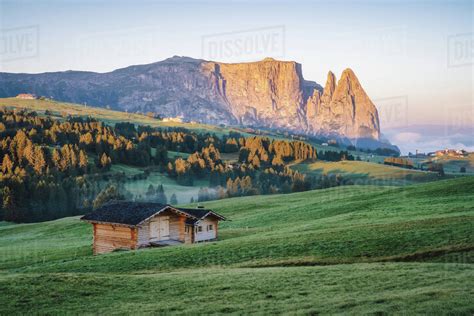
point(454, 164)
point(138, 186)
point(61, 109)
point(354, 249)
point(362, 172)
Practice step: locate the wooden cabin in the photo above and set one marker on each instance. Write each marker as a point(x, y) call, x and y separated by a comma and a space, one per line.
point(132, 225)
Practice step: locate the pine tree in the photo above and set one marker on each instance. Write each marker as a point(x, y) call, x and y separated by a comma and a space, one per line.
point(7, 165)
point(256, 162)
point(150, 193)
point(56, 159)
point(160, 196)
point(173, 199)
point(40, 160)
point(105, 162)
point(108, 194)
point(203, 195)
point(83, 160)
point(29, 153)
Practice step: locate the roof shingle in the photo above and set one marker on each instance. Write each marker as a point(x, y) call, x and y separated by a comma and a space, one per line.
point(128, 213)
point(133, 213)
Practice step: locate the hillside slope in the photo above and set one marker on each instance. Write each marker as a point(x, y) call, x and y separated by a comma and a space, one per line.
point(278, 253)
point(361, 172)
point(106, 115)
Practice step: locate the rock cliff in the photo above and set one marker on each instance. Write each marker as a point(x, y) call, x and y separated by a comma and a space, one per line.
point(268, 93)
point(343, 109)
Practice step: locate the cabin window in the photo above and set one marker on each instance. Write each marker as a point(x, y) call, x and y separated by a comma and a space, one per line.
point(199, 229)
point(210, 227)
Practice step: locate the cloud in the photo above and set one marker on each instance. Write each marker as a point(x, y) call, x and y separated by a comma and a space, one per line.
point(407, 137)
point(428, 141)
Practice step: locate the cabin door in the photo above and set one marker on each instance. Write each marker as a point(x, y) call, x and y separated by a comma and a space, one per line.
point(160, 228)
point(164, 227)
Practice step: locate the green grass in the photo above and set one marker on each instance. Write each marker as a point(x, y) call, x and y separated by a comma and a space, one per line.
point(453, 165)
point(362, 172)
point(183, 193)
point(139, 187)
point(107, 116)
point(354, 249)
point(355, 289)
point(176, 154)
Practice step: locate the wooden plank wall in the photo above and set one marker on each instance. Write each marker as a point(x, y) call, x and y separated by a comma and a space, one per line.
point(144, 235)
point(189, 236)
point(206, 234)
point(177, 227)
point(108, 237)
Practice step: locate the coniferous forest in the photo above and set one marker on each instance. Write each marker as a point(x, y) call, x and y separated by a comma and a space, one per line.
point(55, 167)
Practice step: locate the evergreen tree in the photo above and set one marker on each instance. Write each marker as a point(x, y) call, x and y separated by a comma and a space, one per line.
point(7, 165)
point(108, 194)
point(39, 161)
point(203, 195)
point(160, 196)
point(83, 161)
point(173, 199)
point(105, 162)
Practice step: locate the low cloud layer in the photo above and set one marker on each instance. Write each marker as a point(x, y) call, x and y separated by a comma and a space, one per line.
point(431, 138)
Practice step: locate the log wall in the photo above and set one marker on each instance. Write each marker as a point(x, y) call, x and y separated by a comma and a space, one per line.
point(144, 235)
point(109, 237)
point(177, 227)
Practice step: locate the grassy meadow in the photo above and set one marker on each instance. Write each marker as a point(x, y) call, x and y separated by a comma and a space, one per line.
point(61, 109)
point(138, 187)
point(354, 249)
point(362, 172)
point(454, 164)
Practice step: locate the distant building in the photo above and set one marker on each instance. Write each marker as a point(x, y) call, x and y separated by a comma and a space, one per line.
point(451, 153)
point(26, 96)
point(177, 119)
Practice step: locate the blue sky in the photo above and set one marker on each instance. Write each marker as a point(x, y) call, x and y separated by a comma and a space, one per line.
point(404, 52)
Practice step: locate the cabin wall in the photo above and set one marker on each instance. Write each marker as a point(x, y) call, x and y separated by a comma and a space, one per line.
point(144, 235)
point(175, 224)
point(109, 237)
point(189, 234)
point(206, 233)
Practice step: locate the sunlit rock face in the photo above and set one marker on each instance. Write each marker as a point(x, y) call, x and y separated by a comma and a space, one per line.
point(268, 93)
point(343, 109)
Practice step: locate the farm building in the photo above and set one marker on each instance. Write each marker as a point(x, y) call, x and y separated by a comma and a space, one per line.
point(132, 225)
point(26, 96)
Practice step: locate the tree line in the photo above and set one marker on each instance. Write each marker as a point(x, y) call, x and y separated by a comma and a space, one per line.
point(51, 167)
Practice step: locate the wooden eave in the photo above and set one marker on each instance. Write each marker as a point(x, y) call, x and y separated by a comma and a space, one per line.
point(109, 223)
point(164, 209)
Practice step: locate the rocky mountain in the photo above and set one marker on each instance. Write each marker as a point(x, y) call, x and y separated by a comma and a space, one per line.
point(268, 93)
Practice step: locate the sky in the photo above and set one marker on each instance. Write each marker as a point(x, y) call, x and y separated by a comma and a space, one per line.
point(413, 58)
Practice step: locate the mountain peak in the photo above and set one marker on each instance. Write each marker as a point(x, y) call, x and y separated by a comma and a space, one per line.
point(329, 88)
point(349, 74)
point(267, 93)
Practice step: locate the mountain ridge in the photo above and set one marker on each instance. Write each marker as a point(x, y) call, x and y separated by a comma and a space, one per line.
point(267, 93)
